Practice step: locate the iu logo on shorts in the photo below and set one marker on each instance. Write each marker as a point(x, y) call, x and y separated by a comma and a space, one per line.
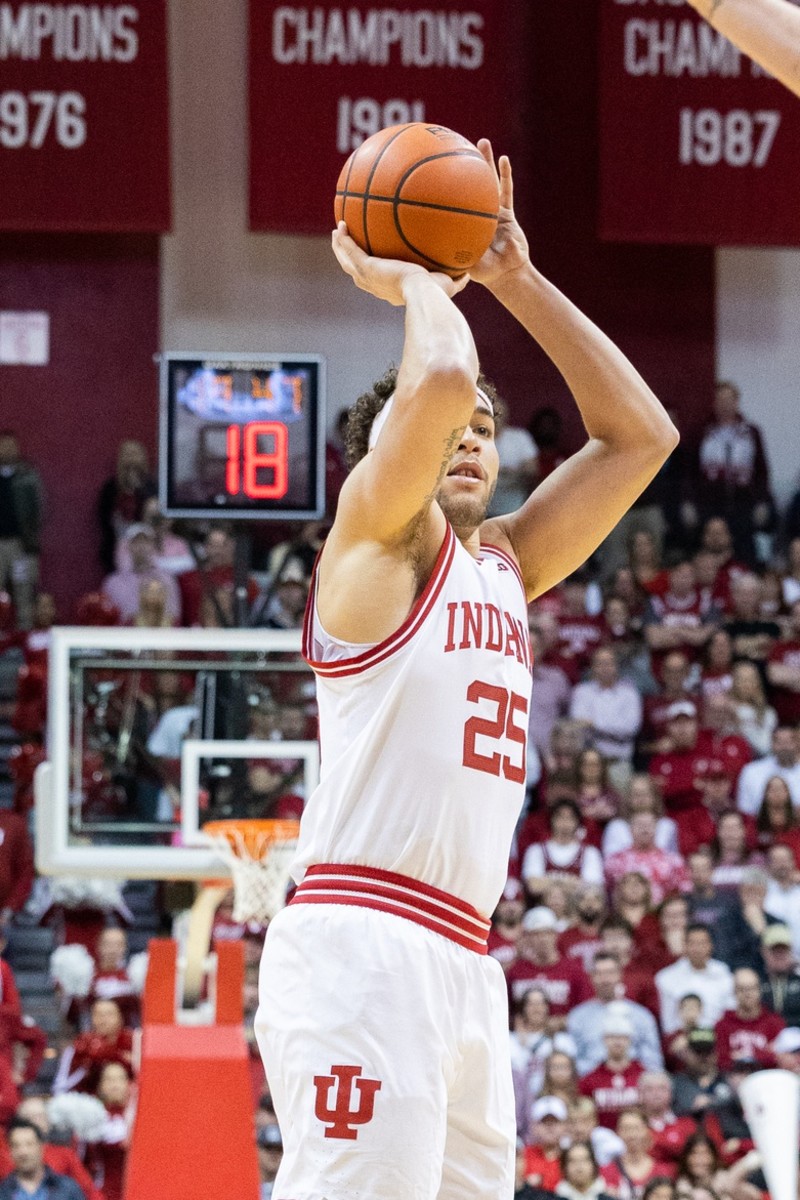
point(341, 1116)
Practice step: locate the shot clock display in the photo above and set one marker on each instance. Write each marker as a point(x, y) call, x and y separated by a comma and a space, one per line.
point(242, 437)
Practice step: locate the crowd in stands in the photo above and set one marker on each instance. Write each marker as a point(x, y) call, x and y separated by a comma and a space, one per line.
point(649, 929)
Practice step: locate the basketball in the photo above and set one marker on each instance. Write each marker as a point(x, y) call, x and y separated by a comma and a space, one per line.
point(420, 193)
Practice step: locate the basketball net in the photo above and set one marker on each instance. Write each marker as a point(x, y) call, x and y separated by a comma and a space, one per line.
point(259, 855)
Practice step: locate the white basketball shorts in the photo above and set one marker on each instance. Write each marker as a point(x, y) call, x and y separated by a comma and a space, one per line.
point(385, 1046)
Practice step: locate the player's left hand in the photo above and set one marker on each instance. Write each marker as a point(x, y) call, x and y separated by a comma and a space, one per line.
point(387, 278)
point(509, 248)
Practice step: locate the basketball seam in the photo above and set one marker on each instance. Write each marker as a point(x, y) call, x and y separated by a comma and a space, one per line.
point(441, 208)
point(467, 212)
point(370, 177)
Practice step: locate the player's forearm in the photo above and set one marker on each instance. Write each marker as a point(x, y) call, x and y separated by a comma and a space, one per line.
point(767, 30)
point(615, 403)
point(438, 342)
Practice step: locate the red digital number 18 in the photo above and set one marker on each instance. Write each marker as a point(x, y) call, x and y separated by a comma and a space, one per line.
point(245, 460)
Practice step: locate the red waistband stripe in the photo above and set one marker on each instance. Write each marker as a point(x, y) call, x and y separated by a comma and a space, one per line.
point(385, 891)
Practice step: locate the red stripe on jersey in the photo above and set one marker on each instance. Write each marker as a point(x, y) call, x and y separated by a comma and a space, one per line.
point(397, 894)
point(395, 641)
point(512, 562)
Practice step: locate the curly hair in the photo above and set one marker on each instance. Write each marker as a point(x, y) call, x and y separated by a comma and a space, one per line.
point(369, 404)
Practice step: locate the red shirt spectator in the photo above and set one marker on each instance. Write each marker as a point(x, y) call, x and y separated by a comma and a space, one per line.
point(16, 861)
point(107, 1041)
point(562, 980)
point(748, 1031)
point(669, 1133)
point(614, 1085)
point(783, 671)
point(543, 1157)
point(680, 619)
point(665, 872)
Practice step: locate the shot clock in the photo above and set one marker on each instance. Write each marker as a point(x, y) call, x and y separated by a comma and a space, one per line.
point(242, 436)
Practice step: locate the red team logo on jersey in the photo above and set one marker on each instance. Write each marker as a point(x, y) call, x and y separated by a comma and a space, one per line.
point(342, 1116)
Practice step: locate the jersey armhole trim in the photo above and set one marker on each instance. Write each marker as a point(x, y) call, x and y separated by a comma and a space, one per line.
point(395, 641)
point(509, 560)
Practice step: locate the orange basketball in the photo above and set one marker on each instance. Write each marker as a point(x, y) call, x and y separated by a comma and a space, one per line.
point(420, 193)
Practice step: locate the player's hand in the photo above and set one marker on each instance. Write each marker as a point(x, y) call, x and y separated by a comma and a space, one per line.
point(387, 278)
point(509, 249)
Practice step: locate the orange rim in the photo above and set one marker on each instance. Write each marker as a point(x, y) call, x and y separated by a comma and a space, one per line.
point(254, 835)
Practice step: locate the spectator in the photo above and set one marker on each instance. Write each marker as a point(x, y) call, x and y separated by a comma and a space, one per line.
point(543, 1153)
point(21, 514)
point(586, 1022)
point(106, 1041)
point(557, 896)
point(676, 770)
point(582, 939)
point(641, 795)
point(171, 553)
point(738, 934)
point(123, 588)
point(22, 1042)
point(579, 631)
point(628, 1175)
point(616, 935)
point(777, 819)
point(708, 904)
point(700, 1170)
point(581, 1178)
point(749, 1030)
point(121, 500)
point(611, 708)
point(757, 718)
point(583, 1127)
point(31, 1175)
point(732, 473)
point(700, 1086)
point(720, 733)
point(107, 1157)
point(597, 800)
point(784, 760)
point(632, 899)
point(699, 973)
point(507, 923)
point(550, 696)
point(270, 1154)
point(783, 891)
point(531, 1046)
point(752, 636)
point(670, 943)
point(539, 964)
point(677, 1051)
point(153, 611)
point(780, 976)
point(679, 619)
point(675, 680)
point(560, 1077)
point(665, 872)
point(212, 582)
point(731, 850)
point(63, 1160)
point(564, 854)
point(111, 980)
point(614, 1084)
point(716, 674)
point(783, 668)
point(716, 541)
point(787, 1049)
point(670, 1133)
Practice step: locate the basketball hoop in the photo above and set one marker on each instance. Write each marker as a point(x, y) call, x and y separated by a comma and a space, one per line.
point(259, 854)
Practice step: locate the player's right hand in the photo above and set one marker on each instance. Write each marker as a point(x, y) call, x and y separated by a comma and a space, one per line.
point(387, 278)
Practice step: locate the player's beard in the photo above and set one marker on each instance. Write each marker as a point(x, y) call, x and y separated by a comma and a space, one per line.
point(465, 513)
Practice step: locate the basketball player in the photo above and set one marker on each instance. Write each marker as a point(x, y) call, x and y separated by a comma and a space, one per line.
point(382, 1022)
point(767, 30)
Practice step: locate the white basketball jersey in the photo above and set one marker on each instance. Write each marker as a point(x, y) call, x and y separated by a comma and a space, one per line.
point(423, 736)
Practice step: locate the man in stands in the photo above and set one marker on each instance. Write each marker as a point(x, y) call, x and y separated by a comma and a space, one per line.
point(61, 1159)
point(707, 904)
point(665, 872)
point(678, 620)
point(653, 738)
point(507, 923)
point(749, 1030)
point(582, 939)
point(753, 636)
point(616, 936)
point(780, 976)
point(586, 1022)
point(123, 588)
point(614, 1084)
point(699, 973)
point(783, 891)
point(543, 1155)
point(539, 964)
point(31, 1176)
point(670, 1133)
point(784, 761)
point(676, 770)
point(611, 707)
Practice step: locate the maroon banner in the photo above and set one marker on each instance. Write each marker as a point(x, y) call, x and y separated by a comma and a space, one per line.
point(697, 143)
point(84, 117)
point(323, 77)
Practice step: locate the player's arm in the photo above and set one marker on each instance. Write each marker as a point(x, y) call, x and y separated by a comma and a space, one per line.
point(767, 30)
point(630, 434)
point(433, 401)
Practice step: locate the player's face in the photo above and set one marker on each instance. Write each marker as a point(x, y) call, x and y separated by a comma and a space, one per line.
point(466, 490)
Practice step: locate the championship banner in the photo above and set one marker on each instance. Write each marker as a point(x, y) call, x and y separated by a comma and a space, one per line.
point(697, 143)
point(325, 76)
point(84, 117)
